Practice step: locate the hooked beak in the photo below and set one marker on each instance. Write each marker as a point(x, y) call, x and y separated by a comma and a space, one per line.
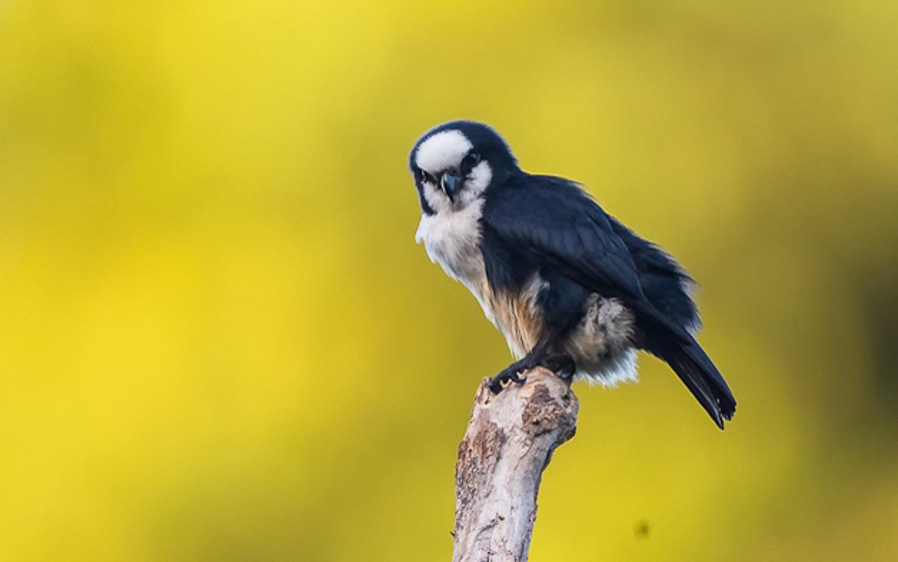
point(451, 183)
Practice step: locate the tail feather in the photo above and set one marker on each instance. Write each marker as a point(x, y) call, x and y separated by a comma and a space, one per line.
point(690, 362)
point(674, 344)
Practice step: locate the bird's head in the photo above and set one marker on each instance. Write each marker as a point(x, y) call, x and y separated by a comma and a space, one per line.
point(455, 162)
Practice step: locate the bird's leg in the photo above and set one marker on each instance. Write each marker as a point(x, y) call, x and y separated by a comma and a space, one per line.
point(536, 357)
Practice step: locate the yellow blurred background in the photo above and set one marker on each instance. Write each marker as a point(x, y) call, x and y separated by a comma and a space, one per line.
point(218, 340)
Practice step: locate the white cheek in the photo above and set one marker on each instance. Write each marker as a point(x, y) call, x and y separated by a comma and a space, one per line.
point(479, 178)
point(477, 182)
point(436, 198)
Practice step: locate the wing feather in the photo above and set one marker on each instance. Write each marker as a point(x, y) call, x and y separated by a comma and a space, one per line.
point(558, 222)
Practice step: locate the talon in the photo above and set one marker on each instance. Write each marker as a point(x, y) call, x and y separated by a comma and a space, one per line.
point(496, 382)
point(567, 370)
point(509, 374)
point(565, 375)
point(562, 365)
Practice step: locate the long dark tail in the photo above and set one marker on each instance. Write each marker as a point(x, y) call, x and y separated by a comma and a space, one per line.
point(690, 362)
point(672, 343)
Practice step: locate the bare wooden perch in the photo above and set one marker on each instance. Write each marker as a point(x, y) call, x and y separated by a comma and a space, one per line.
point(508, 444)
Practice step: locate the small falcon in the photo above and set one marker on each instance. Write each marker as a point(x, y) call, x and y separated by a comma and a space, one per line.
point(568, 286)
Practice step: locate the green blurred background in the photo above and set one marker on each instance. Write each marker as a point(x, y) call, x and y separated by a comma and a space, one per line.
point(218, 340)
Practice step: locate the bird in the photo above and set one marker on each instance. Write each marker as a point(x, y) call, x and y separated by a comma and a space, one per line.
point(568, 285)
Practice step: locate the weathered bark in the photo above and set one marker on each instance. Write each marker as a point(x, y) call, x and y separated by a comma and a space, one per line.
point(508, 444)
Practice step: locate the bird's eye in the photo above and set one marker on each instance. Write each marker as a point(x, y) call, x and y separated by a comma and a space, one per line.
point(469, 161)
point(424, 176)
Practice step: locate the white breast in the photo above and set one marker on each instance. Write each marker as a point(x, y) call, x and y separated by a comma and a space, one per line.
point(452, 239)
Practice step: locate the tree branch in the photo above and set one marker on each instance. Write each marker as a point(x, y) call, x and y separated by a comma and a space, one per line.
point(508, 444)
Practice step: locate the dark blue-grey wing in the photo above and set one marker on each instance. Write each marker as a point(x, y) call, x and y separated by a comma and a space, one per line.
point(560, 225)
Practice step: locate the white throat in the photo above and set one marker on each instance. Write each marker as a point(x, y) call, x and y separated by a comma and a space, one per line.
point(452, 234)
point(452, 239)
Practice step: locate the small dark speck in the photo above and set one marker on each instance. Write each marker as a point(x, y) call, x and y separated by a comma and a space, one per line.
point(642, 529)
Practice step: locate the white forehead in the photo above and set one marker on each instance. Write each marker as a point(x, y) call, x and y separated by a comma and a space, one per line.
point(443, 150)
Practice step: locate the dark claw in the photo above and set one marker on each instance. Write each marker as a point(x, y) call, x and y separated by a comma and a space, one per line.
point(509, 374)
point(562, 365)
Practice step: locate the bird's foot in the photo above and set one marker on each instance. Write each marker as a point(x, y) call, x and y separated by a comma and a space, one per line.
point(561, 364)
point(508, 374)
